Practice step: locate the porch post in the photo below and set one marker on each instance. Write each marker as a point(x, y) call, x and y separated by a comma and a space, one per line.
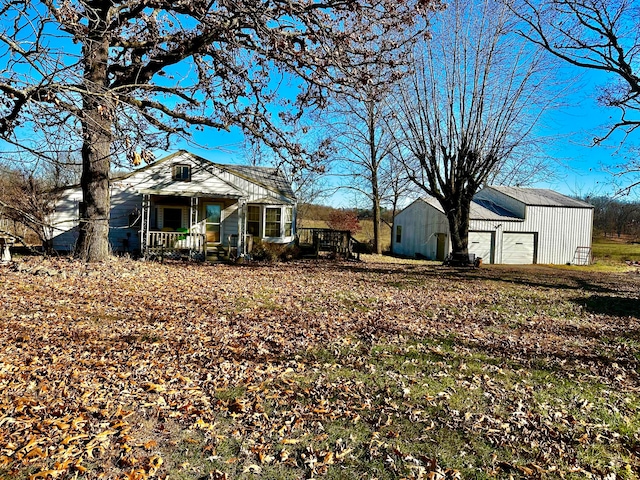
point(242, 209)
point(195, 202)
point(144, 231)
point(194, 213)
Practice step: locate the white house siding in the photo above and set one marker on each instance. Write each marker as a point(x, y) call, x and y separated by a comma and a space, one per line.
point(64, 220)
point(125, 206)
point(205, 177)
point(158, 179)
point(420, 224)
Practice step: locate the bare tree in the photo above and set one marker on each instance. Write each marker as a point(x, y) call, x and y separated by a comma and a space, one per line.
point(470, 105)
point(358, 124)
point(27, 199)
point(364, 142)
point(397, 187)
point(594, 34)
point(114, 72)
point(602, 36)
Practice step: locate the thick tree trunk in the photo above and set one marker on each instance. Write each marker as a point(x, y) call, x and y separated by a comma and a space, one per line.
point(93, 241)
point(458, 213)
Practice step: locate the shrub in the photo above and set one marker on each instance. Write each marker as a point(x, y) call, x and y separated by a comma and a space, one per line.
point(272, 252)
point(344, 220)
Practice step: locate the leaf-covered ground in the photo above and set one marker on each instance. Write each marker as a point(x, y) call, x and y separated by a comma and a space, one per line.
point(302, 370)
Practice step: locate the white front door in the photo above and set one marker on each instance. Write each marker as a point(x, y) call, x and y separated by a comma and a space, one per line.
point(213, 222)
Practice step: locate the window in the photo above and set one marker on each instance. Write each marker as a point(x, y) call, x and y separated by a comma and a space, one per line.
point(272, 223)
point(398, 233)
point(253, 220)
point(182, 173)
point(288, 220)
point(278, 221)
point(172, 218)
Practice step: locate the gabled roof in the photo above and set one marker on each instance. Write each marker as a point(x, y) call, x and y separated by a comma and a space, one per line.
point(540, 197)
point(270, 178)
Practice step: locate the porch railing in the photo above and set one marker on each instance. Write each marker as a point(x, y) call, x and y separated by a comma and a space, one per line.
point(176, 245)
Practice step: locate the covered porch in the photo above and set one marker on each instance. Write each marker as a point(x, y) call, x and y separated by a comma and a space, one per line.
point(194, 226)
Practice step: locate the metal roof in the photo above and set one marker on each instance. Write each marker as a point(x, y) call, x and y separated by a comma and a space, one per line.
point(480, 210)
point(271, 178)
point(540, 197)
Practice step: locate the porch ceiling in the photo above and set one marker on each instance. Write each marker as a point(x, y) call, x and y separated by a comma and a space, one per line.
point(271, 201)
point(173, 193)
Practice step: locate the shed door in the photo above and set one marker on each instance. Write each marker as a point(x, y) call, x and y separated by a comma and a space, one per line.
point(481, 244)
point(441, 246)
point(518, 248)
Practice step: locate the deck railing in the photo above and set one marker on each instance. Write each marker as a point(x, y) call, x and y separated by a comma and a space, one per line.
point(319, 240)
point(176, 245)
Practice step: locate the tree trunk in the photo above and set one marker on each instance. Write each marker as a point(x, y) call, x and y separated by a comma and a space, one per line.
point(93, 240)
point(374, 165)
point(458, 216)
point(394, 209)
point(377, 241)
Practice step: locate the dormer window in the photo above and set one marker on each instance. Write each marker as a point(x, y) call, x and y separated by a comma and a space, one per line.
point(182, 173)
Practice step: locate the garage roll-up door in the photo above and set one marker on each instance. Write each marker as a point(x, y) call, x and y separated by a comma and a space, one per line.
point(518, 248)
point(481, 244)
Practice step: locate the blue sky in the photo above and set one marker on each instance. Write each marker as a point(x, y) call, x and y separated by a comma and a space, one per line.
point(580, 167)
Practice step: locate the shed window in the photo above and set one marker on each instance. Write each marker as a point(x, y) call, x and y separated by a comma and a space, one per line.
point(182, 173)
point(398, 233)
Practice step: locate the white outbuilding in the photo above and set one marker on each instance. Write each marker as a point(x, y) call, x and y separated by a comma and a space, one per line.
point(508, 225)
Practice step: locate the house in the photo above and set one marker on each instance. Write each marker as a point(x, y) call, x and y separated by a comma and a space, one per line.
point(507, 225)
point(186, 205)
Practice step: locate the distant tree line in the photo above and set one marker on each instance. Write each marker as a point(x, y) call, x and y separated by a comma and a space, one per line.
point(616, 218)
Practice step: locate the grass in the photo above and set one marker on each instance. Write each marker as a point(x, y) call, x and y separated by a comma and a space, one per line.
point(613, 250)
point(381, 369)
point(439, 406)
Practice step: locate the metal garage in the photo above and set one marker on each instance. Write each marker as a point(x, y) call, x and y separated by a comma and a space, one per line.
point(507, 225)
